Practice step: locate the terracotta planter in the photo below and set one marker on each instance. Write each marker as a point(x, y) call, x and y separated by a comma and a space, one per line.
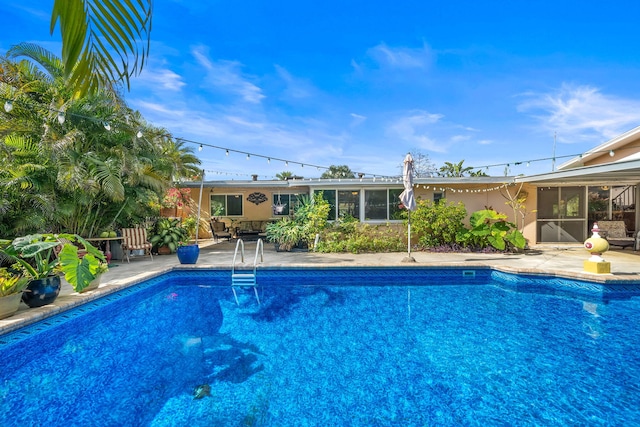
point(41, 292)
point(188, 254)
point(9, 305)
point(164, 250)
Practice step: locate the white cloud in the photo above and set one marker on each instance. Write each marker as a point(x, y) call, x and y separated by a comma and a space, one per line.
point(227, 76)
point(415, 128)
point(295, 87)
point(400, 57)
point(160, 78)
point(357, 119)
point(582, 113)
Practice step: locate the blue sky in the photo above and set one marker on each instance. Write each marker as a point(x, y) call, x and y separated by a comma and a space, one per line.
point(362, 83)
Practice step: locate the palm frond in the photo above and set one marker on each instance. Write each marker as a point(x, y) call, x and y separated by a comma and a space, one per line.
point(103, 41)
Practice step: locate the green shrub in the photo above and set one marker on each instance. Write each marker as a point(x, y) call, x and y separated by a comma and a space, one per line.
point(490, 228)
point(352, 236)
point(437, 224)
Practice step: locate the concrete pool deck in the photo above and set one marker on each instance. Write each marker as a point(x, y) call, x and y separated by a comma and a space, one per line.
point(550, 260)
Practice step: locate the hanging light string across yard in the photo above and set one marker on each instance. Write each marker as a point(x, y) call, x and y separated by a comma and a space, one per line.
point(10, 104)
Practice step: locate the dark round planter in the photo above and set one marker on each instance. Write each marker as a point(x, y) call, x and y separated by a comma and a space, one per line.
point(41, 292)
point(188, 254)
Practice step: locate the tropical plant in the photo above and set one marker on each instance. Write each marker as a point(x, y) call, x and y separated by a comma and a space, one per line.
point(35, 254)
point(454, 169)
point(309, 219)
point(168, 232)
point(80, 271)
point(284, 175)
point(489, 227)
point(76, 176)
point(102, 42)
point(341, 171)
point(286, 233)
point(11, 282)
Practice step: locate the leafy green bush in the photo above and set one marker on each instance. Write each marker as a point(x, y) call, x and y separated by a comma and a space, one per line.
point(354, 237)
point(489, 227)
point(437, 224)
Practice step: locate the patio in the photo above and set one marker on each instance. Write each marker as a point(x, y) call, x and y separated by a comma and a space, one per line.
point(555, 260)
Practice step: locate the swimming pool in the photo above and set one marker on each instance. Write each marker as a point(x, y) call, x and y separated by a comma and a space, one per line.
point(333, 347)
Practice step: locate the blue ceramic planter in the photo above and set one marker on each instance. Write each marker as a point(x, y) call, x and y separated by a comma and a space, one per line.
point(188, 254)
point(41, 292)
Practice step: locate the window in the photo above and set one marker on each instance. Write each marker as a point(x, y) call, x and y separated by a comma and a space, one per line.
point(330, 197)
point(382, 204)
point(226, 205)
point(375, 204)
point(379, 204)
point(437, 197)
point(349, 203)
point(284, 204)
point(561, 214)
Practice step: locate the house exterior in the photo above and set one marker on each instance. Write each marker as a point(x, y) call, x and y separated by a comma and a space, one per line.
point(560, 206)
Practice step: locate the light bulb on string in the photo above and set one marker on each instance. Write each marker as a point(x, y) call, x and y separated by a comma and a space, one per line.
point(226, 152)
point(139, 134)
point(269, 160)
point(286, 163)
point(611, 153)
point(8, 106)
point(106, 125)
point(248, 156)
point(61, 117)
point(200, 147)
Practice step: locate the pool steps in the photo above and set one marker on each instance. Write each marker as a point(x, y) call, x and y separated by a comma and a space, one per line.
point(245, 278)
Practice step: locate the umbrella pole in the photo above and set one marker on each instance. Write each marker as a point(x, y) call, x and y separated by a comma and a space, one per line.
point(199, 205)
point(409, 233)
point(409, 258)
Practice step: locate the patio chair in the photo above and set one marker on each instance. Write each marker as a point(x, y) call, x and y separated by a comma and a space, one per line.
point(135, 239)
point(219, 230)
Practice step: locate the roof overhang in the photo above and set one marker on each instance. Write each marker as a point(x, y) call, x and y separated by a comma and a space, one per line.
point(618, 173)
point(611, 145)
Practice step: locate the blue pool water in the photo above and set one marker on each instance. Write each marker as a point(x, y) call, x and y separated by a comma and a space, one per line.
point(347, 347)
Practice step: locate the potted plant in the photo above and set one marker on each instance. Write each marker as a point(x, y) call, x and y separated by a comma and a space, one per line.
point(82, 272)
point(188, 253)
point(166, 234)
point(285, 234)
point(11, 286)
point(43, 257)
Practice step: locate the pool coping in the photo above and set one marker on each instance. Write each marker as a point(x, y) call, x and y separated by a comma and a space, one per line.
point(69, 299)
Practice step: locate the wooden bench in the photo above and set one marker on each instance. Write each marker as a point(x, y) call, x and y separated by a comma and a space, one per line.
point(616, 234)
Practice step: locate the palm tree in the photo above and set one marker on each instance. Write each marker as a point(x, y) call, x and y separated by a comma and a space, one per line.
point(284, 175)
point(103, 41)
point(342, 171)
point(92, 174)
point(454, 169)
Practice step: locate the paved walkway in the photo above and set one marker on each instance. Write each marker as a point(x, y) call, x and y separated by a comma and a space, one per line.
point(555, 260)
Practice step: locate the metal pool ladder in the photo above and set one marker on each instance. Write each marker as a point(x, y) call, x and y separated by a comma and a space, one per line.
point(246, 278)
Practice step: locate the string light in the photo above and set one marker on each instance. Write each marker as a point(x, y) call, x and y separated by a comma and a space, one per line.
point(248, 156)
point(61, 116)
point(200, 147)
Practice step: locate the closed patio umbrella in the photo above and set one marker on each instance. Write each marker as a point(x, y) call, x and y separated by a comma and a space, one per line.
point(408, 200)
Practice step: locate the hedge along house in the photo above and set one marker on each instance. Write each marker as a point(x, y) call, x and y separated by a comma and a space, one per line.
point(600, 184)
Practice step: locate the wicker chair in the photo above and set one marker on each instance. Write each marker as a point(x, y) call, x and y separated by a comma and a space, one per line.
point(135, 239)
